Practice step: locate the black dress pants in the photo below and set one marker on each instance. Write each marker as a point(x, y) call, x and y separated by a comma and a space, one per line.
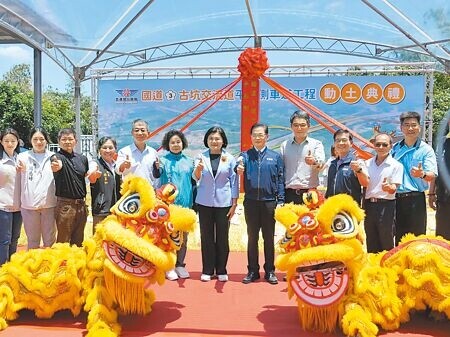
point(259, 215)
point(411, 214)
point(214, 229)
point(379, 225)
point(443, 218)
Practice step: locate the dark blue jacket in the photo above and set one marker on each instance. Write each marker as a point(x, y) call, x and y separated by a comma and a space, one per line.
point(263, 175)
point(342, 179)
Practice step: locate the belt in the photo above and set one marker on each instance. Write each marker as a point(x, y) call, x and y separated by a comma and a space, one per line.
point(378, 200)
point(298, 191)
point(72, 201)
point(409, 194)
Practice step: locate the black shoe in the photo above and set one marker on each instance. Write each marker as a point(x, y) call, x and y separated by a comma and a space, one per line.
point(251, 277)
point(271, 278)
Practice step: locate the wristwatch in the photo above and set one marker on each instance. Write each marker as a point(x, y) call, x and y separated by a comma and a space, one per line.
point(424, 175)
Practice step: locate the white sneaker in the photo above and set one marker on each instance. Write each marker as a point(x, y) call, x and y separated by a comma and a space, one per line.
point(222, 278)
point(171, 275)
point(182, 272)
point(205, 278)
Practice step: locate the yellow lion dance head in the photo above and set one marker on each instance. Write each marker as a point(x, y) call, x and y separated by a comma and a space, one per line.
point(114, 270)
point(319, 250)
point(336, 282)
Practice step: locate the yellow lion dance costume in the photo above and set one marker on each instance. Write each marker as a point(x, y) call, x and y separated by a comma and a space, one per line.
point(336, 282)
point(112, 273)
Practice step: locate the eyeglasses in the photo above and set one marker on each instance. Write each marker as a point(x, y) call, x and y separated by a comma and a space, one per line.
point(381, 144)
point(297, 125)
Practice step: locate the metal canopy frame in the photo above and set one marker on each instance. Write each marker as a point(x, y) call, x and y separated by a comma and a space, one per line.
point(20, 30)
point(16, 28)
point(444, 62)
point(298, 43)
point(279, 70)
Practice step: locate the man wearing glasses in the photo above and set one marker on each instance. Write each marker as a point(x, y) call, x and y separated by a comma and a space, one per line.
point(420, 168)
point(383, 176)
point(303, 159)
point(137, 158)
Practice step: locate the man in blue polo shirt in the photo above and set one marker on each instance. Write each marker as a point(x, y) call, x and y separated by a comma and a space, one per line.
point(420, 168)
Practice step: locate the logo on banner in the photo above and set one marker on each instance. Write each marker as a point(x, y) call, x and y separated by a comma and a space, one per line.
point(126, 96)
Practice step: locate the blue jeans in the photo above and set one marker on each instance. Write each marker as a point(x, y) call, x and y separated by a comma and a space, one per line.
point(10, 225)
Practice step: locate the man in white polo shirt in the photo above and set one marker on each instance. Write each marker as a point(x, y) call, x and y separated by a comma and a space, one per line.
point(381, 179)
point(137, 158)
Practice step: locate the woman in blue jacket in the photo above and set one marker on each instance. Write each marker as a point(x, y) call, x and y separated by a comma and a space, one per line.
point(176, 168)
point(217, 194)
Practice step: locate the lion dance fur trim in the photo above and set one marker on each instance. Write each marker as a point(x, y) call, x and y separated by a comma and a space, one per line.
point(337, 283)
point(114, 270)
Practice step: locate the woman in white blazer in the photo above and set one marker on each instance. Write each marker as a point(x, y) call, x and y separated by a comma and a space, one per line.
point(217, 194)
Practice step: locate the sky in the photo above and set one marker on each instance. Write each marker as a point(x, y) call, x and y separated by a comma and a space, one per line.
point(52, 75)
point(55, 77)
point(174, 20)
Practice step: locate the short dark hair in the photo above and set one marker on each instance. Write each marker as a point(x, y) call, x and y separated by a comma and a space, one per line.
point(300, 114)
point(409, 114)
point(65, 132)
point(104, 139)
point(260, 125)
point(343, 131)
point(166, 139)
point(220, 131)
point(40, 130)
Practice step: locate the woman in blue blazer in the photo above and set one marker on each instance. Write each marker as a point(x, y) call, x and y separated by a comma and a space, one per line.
point(217, 194)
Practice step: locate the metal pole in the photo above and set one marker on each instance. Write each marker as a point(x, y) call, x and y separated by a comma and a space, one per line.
point(77, 101)
point(94, 115)
point(37, 115)
point(428, 114)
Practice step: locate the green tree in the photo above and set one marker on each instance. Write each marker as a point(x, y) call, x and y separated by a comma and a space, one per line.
point(16, 109)
point(57, 112)
point(441, 98)
point(20, 75)
point(86, 115)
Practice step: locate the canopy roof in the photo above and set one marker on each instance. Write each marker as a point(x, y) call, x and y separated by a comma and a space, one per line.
point(87, 34)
